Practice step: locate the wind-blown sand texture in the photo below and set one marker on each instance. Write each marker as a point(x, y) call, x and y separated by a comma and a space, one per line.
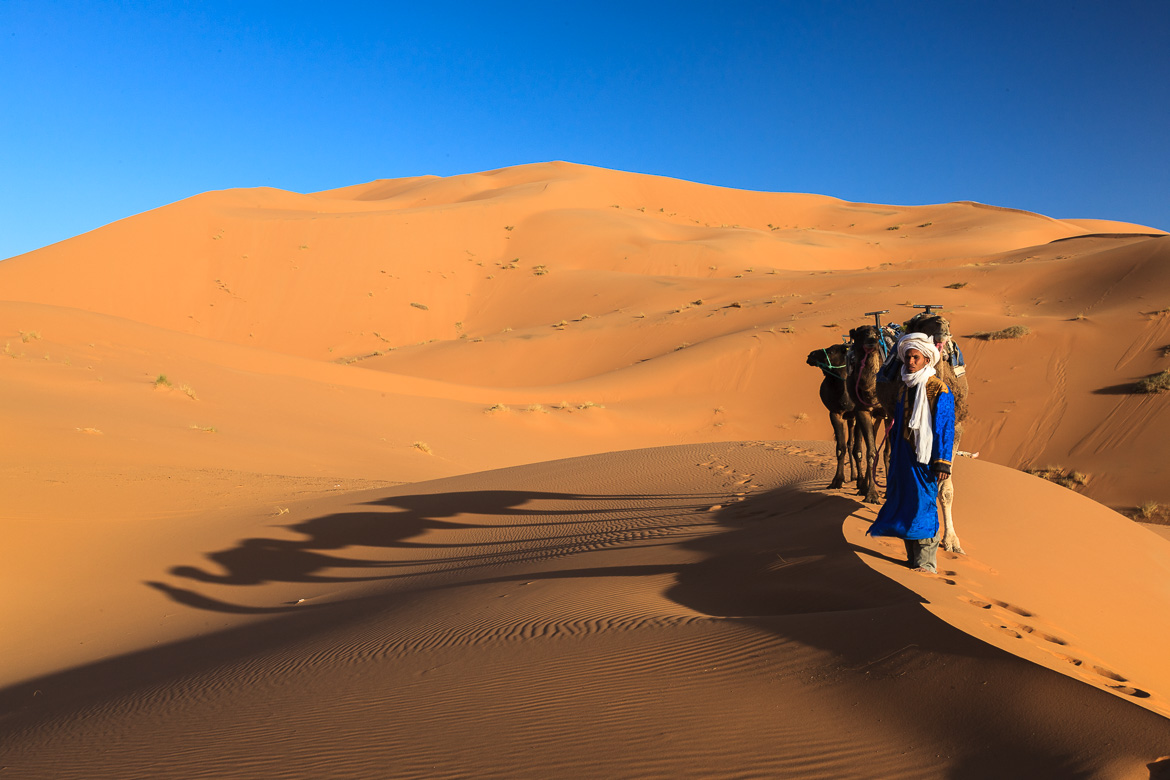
point(521, 474)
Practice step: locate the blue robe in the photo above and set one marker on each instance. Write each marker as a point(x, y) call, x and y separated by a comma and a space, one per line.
point(911, 509)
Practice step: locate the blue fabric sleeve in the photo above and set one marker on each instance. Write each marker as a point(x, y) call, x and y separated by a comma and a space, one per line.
point(944, 432)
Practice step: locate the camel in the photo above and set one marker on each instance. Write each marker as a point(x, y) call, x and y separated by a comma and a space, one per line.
point(865, 360)
point(955, 377)
point(835, 396)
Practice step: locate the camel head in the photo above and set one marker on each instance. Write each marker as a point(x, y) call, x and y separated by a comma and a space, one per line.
point(831, 359)
point(865, 338)
point(934, 325)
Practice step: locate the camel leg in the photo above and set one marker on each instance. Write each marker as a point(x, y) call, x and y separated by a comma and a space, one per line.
point(867, 431)
point(842, 438)
point(854, 448)
point(946, 496)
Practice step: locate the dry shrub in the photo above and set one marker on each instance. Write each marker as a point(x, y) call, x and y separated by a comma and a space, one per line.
point(1059, 475)
point(1157, 383)
point(1014, 332)
point(1152, 512)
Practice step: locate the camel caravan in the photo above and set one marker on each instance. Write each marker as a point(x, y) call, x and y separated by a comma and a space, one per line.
point(860, 390)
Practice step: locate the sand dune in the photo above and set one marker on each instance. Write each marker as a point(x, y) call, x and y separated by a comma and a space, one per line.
point(518, 474)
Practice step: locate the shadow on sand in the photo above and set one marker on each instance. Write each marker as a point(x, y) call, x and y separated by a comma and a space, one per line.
point(777, 561)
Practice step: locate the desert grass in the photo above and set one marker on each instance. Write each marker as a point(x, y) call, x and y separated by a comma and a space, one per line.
point(1152, 512)
point(1013, 332)
point(189, 392)
point(28, 335)
point(956, 285)
point(1157, 383)
point(496, 408)
point(162, 381)
point(422, 446)
point(1059, 475)
point(204, 428)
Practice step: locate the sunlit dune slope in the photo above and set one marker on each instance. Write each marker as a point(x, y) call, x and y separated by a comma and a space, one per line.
point(545, 290)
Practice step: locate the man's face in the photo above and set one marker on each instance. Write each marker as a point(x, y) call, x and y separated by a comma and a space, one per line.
point(915, 361)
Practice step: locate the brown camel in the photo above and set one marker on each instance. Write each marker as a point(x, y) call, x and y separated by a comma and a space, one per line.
point(865, 360)
point(955, 377)
point(835, 396)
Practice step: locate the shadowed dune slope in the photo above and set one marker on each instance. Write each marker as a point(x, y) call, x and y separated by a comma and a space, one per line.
point(688, 611)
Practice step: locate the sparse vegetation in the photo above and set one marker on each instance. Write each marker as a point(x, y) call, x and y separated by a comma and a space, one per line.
point(190, 393)
point(802, 417)
point(956, 285)
point(90, 431)
point(589, 405)
point(28, 335)
point(422, 446)
point(1059, 475)
point(1013, 332)
point(926, 224)
point(496, 408)
point(1157, 383)
point(1152, 512)
point(422, 306)
point(539, 270)
point(535, 408)
point(162, 381)
point(204, 428)
point(894, 227)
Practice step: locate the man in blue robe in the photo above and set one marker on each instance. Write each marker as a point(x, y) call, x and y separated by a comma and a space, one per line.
point(921, 439)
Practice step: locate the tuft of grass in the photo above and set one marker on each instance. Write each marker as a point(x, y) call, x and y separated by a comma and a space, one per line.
point(926, 224)
point(589, 405)
point(535, 408)
point(204, 428)
point(422, 306)
point(28, 335)
point(894, 227)
point(190, 393)
point(833, 325)
point(1152, 512)
point(162, 381)
point(1157, 383)
point(539, 270)
point(682, 346)
point(956, 286)
point(1059, 475)
point(90, 431)
point(496, 408)
point(509, 227)
point(422, 446)
point(1014, 332)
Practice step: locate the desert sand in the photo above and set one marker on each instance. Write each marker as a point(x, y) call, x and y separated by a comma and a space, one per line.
point(522, 474)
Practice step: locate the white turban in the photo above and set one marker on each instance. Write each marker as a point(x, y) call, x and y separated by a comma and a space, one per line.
point(922, 343)
point(919, 421)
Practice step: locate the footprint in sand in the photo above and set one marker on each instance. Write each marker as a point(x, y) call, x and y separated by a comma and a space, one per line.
point(1037, 633)
point(1004, 630)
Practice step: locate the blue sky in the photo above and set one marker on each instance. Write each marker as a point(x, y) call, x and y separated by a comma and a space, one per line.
point(113, 108)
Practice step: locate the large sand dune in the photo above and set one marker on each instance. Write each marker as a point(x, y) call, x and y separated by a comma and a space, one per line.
point(341, 538)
